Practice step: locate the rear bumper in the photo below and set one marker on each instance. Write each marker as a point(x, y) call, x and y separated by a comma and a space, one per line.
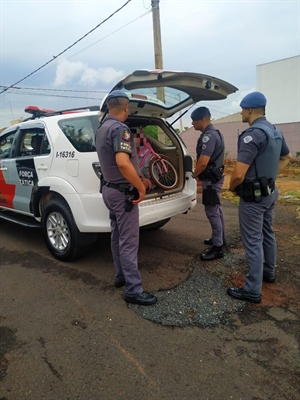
point(93, 216)
point(158, 209)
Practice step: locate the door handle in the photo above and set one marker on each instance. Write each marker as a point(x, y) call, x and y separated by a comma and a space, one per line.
point(42, 167)
point(3, 169)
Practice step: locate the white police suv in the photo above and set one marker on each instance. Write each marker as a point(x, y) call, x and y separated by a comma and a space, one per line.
point(49, 169)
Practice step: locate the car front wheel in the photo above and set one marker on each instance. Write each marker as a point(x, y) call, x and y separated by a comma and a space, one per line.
point(60, 231)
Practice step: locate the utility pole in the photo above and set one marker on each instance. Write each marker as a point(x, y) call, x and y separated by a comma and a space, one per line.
point(180, 119)
point(157, 35)
point(11, 111)
point(157, 44)
point(160, 94)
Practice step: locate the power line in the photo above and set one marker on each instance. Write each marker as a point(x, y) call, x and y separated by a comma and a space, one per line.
point(56, 90)
point(58, 95)
point(169, 93)
point(62, 52)
point(104, 37)
point(221, 108)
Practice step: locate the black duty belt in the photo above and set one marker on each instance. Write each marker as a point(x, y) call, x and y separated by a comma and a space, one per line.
point(253, 190)
point(119, 186)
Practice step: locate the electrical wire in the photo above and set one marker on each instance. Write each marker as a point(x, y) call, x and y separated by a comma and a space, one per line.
point(147, 8)
point(62, 52)
point(80, 51)
point(124, 26)
point(215, 109)
point(56, 90)
point(60, 95)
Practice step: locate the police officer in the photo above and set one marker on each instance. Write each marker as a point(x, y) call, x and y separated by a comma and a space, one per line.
point(36, 142)
point(262, 154)
point(209, 169)
point(119, 163)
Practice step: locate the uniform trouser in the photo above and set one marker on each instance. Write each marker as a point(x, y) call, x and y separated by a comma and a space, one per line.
point(124, 240)
point(256, 220)
point(215, 215)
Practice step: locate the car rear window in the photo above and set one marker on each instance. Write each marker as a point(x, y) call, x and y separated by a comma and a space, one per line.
point(81, 131)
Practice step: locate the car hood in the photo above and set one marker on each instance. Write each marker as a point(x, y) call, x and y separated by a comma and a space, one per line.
point(161, 93)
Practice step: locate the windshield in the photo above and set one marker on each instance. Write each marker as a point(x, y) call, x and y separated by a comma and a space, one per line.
point(168, 95)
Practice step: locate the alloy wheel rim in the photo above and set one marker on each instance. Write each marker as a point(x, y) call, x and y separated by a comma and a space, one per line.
point(57, 231)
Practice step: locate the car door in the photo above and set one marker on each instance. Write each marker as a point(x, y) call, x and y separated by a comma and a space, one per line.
point(29, 164)
point(7, 164)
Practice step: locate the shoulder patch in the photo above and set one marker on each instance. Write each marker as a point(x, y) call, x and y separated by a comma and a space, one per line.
point(126, 136)
point(247, 139)
point(205, 139)
point(203, 146)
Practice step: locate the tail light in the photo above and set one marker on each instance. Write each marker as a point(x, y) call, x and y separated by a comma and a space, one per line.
point(97, 169)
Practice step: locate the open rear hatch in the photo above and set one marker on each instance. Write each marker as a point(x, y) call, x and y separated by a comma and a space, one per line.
point(164, 93)
point(157, 95)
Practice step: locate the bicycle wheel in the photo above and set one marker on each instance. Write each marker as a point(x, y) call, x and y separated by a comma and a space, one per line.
point(163, 172)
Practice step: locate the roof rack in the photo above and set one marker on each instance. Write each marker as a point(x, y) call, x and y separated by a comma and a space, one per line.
point(38, 112)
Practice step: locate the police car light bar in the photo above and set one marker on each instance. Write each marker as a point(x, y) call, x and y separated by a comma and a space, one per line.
point(37, 112)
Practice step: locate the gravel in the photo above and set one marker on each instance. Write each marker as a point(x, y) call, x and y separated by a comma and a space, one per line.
point(199, 301)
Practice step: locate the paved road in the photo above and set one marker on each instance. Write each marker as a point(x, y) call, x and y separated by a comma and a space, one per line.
point(66, 332)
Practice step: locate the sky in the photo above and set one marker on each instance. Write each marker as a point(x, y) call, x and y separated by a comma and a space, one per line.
point(225, 39)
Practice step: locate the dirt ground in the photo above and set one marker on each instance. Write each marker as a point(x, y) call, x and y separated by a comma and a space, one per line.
point(288, 239)
point(285, 294)
point(66, 333)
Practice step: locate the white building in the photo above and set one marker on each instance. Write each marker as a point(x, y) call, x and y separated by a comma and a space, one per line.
point(279, 81)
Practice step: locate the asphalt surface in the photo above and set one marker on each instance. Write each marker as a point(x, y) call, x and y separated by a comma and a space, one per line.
point(66, 332)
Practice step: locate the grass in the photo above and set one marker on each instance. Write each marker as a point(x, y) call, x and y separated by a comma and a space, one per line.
point(296, 239)
point(288, 182)
point(287, 193)
point(230, 196)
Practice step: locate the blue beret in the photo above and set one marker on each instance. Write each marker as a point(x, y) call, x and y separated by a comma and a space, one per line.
point(253, 100)
point(199, 113)
point(117, 93)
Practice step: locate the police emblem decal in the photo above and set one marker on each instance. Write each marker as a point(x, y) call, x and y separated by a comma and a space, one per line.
point(205, 139)
point(126, 136)
point(248, 139)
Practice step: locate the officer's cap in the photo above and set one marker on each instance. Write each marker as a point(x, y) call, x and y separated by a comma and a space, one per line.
point(254, 100)
point(117, 93)
point(199, 113)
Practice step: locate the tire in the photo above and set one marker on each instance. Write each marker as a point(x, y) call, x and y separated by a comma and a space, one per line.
point(165, 179)
point(60, 231)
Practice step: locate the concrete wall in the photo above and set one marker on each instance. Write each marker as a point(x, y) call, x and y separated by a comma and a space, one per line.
point(280, 83)
point(231, 130)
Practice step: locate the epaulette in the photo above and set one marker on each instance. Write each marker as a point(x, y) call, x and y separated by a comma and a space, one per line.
point(247, 131)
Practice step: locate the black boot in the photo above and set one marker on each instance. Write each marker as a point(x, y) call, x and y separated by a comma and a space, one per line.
point(210, 243)
point(212, 254)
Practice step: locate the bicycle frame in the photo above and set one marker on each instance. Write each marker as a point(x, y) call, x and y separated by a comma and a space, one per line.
point(150, 150)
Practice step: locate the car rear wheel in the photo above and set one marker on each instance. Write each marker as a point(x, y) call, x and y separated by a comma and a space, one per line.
point(60, 231)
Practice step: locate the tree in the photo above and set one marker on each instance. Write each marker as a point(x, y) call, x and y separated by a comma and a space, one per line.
point(152, 130)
